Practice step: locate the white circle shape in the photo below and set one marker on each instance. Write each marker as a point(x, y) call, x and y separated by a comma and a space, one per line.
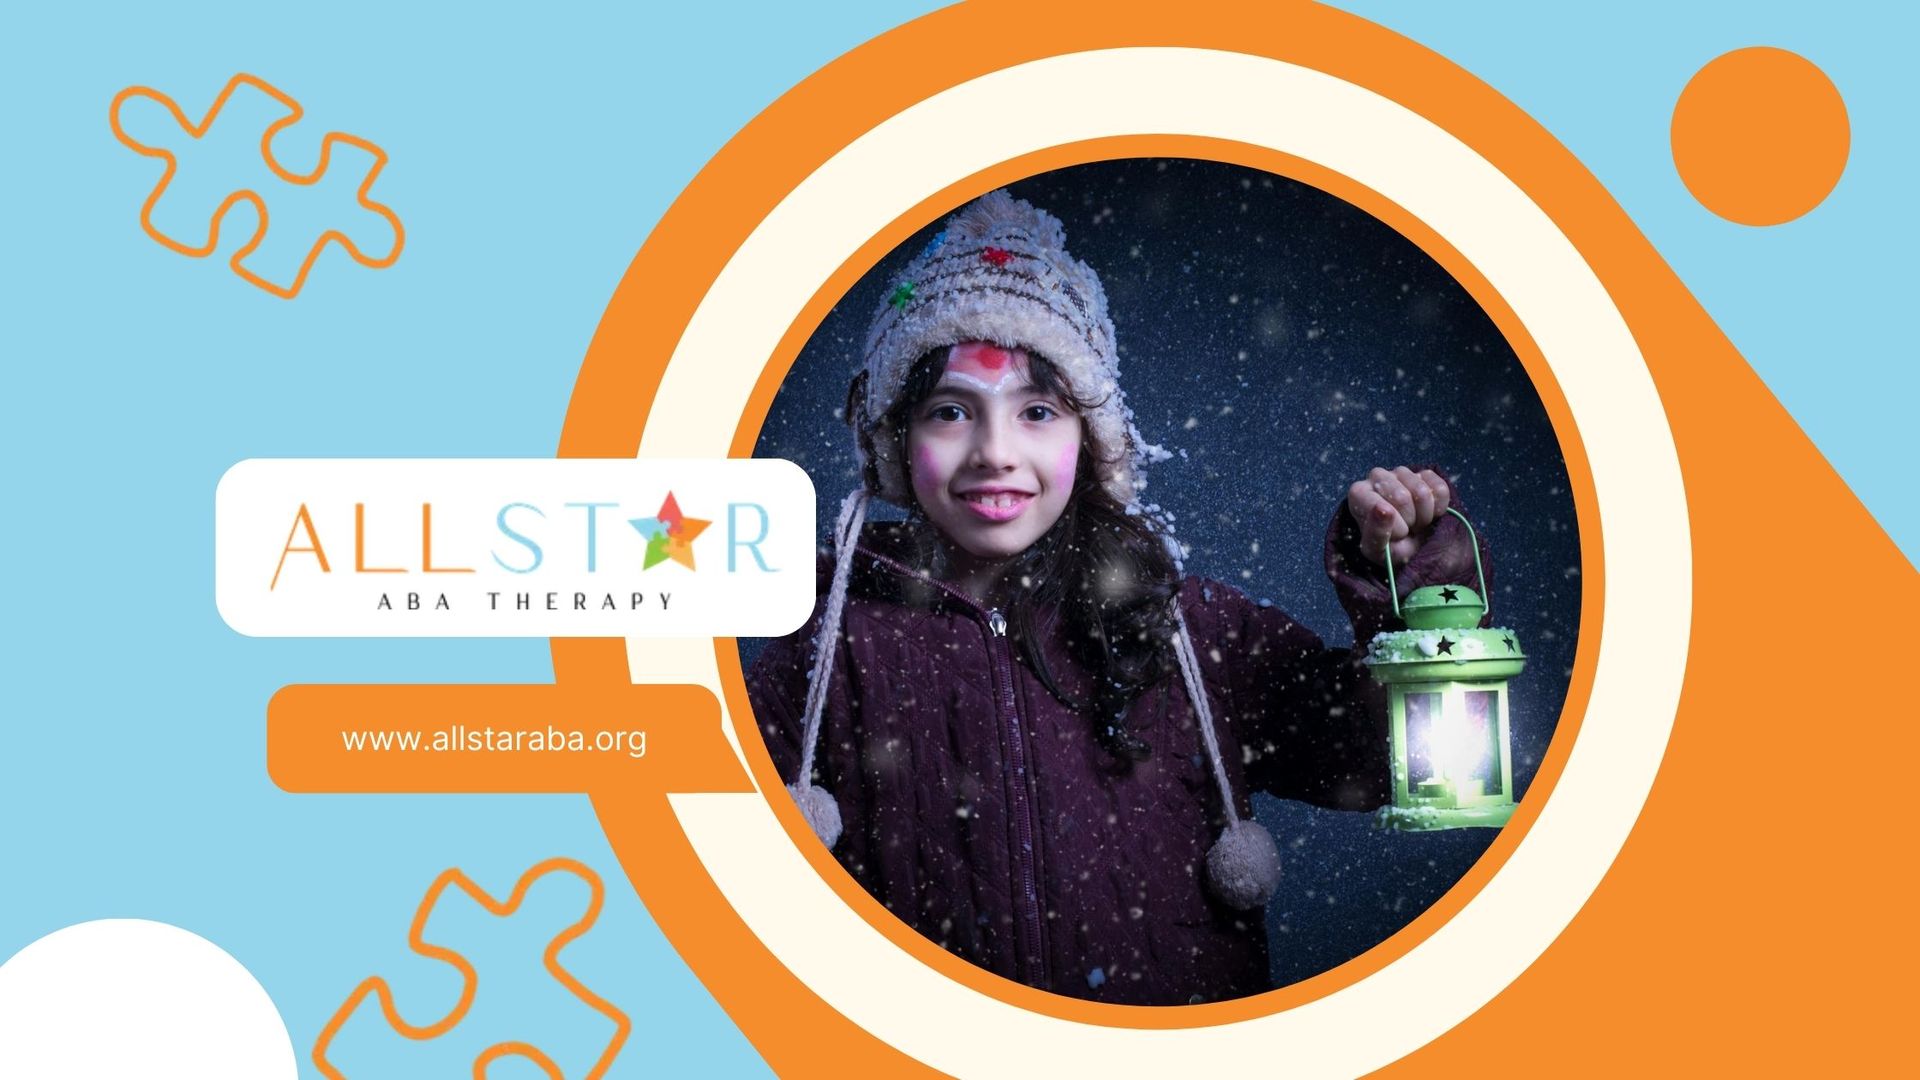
point(1646, 606)
point(130, 997)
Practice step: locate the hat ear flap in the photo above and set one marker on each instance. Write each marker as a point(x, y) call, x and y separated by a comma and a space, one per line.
point(856, 413)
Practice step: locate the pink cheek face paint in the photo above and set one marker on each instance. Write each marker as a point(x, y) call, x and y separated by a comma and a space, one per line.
point(1065, 469)
point(928, 476)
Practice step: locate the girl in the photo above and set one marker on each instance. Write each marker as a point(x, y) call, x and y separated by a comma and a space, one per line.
point(1012, 718)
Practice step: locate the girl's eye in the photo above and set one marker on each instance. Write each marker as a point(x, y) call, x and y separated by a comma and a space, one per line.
point(948, 414)
point(1039, 413)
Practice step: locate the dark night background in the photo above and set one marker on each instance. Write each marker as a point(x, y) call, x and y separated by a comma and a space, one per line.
point(1281, 342)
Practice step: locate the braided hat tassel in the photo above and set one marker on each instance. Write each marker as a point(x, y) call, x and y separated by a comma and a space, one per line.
point(817, 804)
point(1243, 866)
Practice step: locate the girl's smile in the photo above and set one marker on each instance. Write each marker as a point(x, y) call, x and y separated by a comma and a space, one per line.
point(997, 504)
point(992, 455)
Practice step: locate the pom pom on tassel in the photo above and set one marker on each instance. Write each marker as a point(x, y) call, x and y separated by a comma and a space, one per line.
point(822, 812)
point(1243, 868)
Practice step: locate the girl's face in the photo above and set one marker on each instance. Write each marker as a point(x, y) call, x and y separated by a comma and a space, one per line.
point(992, 455)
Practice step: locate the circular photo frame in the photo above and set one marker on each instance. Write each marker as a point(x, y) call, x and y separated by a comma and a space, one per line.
point(1274, 344)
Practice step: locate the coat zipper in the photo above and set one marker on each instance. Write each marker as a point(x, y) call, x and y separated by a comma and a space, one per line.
point(1035, 953)
point(1030, 950)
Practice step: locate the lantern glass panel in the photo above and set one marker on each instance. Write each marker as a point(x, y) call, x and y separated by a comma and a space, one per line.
point(1483, 727)
point(1454, 735)
point(1421, 710)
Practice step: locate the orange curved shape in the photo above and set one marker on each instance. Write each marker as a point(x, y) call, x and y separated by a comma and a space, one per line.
point(516, 1049)
point(259, 204)
point(470, 980)
point(1807, 970)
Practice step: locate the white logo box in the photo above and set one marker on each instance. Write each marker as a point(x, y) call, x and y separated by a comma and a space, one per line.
point(753, 572)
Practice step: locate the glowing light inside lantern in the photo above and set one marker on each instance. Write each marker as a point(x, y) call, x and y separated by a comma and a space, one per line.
point(1457, 741)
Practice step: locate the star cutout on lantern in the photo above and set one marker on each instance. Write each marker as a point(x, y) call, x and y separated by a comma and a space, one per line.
point(1446, 646)
point(1449, 594)
point(1511, 647)
point(902, 296)
point(996, 256)
point(670, 534)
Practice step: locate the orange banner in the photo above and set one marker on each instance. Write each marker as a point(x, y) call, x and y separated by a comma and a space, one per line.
point(641, 740)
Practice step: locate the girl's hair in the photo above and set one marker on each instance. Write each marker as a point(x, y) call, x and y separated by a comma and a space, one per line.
point(1106, 571)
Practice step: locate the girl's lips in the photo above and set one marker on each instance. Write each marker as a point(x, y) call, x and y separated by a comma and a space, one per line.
point(996, 505)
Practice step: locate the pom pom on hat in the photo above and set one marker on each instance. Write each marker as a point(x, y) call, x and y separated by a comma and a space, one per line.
point(822, 812)
point(1243, 868)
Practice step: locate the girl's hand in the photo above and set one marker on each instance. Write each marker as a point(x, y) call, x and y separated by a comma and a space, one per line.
point(1398, 507)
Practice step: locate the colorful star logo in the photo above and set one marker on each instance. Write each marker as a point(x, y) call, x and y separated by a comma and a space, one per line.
point(669, 534)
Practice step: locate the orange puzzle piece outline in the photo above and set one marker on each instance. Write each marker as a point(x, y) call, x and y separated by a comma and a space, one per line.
point(470, 980)
point(259, 204)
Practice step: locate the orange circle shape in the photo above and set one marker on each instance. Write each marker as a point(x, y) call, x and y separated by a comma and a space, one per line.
point(1760, 136)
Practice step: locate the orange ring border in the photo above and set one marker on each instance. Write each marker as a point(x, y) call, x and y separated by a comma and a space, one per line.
point(779, 148)
point(1586, 650)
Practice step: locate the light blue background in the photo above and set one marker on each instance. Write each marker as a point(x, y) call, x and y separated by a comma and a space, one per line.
point(531, 154)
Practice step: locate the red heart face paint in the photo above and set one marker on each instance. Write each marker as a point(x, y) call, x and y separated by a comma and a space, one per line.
point(993, 456)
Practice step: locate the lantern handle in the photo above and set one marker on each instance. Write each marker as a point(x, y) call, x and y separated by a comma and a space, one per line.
point(1486, 598)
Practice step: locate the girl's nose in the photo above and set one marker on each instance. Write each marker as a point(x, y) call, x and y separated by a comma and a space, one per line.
point(992, 445)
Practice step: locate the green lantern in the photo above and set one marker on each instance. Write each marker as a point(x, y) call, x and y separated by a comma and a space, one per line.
point(1446, 681)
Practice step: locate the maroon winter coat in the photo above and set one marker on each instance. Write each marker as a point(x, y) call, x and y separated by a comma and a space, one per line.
point(983, 812)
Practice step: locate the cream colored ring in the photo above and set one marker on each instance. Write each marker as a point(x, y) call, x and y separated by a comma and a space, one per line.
point(1493, 224)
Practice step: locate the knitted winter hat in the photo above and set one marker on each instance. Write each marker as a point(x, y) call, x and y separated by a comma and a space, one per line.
point(1000, 272)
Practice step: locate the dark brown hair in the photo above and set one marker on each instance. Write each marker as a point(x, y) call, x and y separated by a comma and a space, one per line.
point(1106, 571)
